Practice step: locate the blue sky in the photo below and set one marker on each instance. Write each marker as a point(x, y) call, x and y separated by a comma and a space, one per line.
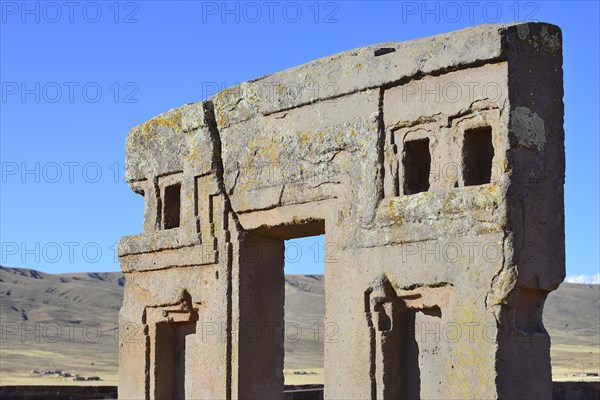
point(76, 76)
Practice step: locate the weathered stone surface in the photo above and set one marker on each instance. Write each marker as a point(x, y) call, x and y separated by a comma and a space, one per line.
point(435, 168)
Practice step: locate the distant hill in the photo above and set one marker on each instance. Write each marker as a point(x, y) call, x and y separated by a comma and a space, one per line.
point(80, 313)
point(29, 295)
point(58, 322)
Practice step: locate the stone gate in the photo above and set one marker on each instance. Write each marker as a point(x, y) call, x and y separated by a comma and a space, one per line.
point(435, 169)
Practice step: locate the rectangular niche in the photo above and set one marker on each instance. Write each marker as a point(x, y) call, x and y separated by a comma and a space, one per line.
point(172, 206)
point(478, 153)
point(417, 164)
point(171, 361)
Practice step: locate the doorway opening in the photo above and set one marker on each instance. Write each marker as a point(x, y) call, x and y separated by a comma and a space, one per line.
point(304, 332)
point(281, 320)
